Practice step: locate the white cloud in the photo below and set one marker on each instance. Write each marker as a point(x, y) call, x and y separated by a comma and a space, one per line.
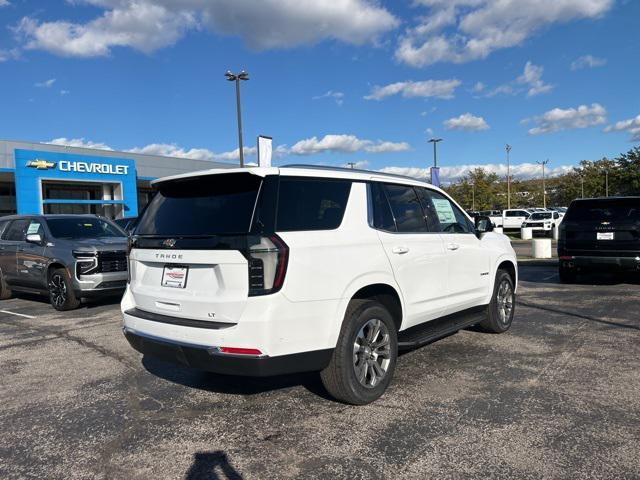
point(46, 84)
point(11, 54)
point(173, 150)
point(344, 144)
point(532, 77)
point(571, 118)
point(384, 147)
point(530, 81)
point(632, 125)
point(505, 89)
point(4, 3)
point(451, 174)
point(466, 122)
point(588, 61)
point(141, 25)
point(338, 97)
point(309, 146)
point(459, 31)
point(64, 92)
point(79, 142)
point(427, 88)
point(148, 25)
point(478, 87)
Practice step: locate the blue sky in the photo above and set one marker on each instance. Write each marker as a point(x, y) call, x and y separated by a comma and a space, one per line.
point(331, 81)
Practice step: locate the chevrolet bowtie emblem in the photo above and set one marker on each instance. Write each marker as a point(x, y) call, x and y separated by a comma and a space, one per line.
point(41, 164)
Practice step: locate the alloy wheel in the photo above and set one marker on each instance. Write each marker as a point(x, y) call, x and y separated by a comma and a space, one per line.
point(505, 301)
point(372, 353)
point(58, 290)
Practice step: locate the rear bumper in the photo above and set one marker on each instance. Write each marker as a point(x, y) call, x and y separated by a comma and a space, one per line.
point(608, 262)
point(208, 359)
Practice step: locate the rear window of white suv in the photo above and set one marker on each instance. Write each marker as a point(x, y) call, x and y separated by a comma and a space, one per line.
point(201, 206)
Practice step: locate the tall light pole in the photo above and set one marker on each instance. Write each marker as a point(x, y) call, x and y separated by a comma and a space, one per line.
point(582, 183)
point(606, 182)
point(544, 189)
point(508, 149)
point(236, 77)
point(352, 165)
point(435, 153)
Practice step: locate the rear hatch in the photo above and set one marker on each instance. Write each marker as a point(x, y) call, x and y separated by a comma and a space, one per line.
point(602, 227)
point(204, 245)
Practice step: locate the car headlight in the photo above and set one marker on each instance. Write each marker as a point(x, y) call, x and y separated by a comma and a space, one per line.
point(86, 262)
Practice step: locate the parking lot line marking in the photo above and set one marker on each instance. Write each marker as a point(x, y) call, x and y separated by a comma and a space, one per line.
point(18, 314)
point(550, 276)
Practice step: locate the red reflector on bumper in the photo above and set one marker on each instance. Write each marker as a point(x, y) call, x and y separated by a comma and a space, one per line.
point(566, 258)
point(240, 351)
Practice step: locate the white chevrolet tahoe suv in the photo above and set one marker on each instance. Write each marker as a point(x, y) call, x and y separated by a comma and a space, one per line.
point(268, 271)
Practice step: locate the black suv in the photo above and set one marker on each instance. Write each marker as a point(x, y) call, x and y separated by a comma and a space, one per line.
point(67, 257)
point(602, 233)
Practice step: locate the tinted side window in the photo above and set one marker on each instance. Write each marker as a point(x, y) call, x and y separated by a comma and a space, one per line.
point(406, 208)
point(3, 224)
point(451, 218)
point(430, 213)
point(16, 231)
point(311, 204)
point(382, 216)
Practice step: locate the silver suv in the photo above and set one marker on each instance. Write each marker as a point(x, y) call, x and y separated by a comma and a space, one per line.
point(67, 257)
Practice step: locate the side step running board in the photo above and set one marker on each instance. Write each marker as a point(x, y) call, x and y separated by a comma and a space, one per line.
point(430, 331)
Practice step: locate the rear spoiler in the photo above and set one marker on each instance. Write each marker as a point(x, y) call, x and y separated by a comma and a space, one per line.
point(257, 171)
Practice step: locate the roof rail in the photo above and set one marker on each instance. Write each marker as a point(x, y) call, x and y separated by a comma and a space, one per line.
point(344, 169)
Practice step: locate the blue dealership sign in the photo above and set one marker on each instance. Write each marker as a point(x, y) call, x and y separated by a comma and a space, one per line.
point(33, 167)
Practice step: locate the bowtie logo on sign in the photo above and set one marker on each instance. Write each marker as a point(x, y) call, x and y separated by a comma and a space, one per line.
point(39, 164)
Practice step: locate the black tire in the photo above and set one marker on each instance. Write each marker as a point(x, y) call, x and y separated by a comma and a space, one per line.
point(567, 275)
point(502, 307)
point(5, 291)
point(340, 378)
point(61, 294)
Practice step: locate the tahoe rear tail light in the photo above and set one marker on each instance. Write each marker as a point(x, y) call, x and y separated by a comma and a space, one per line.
point(267, 260)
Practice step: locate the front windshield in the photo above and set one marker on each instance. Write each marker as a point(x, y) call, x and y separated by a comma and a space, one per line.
point(541, 216)
point(76, 228)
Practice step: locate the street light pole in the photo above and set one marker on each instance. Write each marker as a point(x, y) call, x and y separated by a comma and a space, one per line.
point(582, 184)
point(232, 77)
point(544, 189)
point(435, 154)
point(508, 149)
point(606, 183)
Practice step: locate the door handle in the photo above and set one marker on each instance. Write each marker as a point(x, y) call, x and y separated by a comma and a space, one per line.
point(453, 246)
point(400, 250)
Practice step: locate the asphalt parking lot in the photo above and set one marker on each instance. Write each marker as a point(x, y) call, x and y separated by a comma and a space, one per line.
point(558, 396)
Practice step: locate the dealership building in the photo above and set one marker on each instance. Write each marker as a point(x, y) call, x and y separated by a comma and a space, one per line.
point(40, 178)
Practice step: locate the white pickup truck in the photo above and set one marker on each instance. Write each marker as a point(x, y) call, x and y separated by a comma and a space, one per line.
point(510, 219)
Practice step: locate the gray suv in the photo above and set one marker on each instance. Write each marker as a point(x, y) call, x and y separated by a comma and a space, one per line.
point(67, 257)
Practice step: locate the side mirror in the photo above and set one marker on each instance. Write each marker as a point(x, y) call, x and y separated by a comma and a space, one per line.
point(483, 224)
point(34, 238)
